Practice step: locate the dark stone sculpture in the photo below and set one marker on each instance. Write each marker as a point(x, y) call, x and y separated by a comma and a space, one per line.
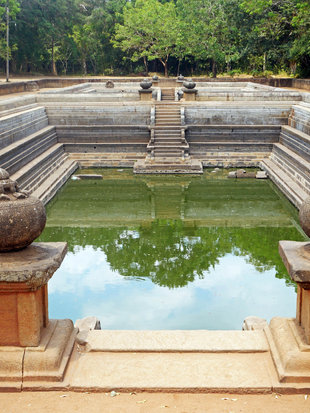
point(146, 84)
point(109, 84)
point(22, 217)
point(189, 84)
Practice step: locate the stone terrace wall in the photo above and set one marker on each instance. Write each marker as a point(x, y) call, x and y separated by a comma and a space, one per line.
point(234, 134)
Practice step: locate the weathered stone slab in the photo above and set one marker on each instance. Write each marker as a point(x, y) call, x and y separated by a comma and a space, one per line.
point(296, 258)
point(261, 175)
point(88, 176)
point(34, 265)
point(178, 341)
point(190, 372)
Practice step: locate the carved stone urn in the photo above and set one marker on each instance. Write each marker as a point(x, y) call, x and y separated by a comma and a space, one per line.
point(22, 217)
point(146, 84)
point(155, 78)
point(189, 84)
point(180, 77)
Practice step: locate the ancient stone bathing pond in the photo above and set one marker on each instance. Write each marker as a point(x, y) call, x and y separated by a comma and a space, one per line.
point(171, 252)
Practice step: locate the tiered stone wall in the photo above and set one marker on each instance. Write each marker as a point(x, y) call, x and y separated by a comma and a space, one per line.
point(232, 134)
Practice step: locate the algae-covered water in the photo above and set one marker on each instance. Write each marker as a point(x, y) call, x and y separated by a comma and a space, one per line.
point(171, 252)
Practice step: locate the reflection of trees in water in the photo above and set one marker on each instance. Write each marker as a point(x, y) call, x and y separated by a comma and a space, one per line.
point(172, 255)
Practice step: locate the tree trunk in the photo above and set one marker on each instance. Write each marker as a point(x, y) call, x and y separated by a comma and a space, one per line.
point(178, 70)
point(146, 65)
point(214, 68)
point(84, 66)
point(264, 62)
point(54, 70)
point(165, 64)
point(293, 67)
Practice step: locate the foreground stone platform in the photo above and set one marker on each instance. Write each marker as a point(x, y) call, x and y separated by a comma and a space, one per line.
point(155, 361)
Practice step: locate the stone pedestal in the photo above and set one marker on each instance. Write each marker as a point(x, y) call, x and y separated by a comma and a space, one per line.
point(23, 292)
point(32, 347)
point(189, 94)
point(146, 94)
point(289, 339)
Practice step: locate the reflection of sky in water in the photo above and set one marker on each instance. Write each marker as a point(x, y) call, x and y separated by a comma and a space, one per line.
point(85, 285)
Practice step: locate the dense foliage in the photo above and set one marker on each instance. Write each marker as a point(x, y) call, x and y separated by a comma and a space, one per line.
point(124, 37)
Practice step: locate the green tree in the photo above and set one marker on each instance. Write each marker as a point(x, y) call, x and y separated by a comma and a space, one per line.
point(149, 31)
point(8, 10)
point(206, 31)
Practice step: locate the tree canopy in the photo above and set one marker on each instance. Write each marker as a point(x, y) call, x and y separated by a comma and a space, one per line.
point(125, 37)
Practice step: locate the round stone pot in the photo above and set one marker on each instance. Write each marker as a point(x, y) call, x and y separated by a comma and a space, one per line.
point(180, 77)
point(189, 84)
point(146, 84)
point(22, 217)
point(21, 222)
point(155, 78)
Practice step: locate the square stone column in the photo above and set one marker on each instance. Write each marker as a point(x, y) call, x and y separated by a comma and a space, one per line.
point(189, 94)
point(23, 292)
point(146, 94)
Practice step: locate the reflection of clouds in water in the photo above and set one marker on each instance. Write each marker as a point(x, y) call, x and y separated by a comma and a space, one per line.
point(150, 309)
point(227, 294)
point(86, 268)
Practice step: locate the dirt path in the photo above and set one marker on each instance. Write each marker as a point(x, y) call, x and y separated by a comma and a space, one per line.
point(54, 402)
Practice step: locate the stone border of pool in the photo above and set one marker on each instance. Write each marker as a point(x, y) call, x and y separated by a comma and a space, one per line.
point(274, 358)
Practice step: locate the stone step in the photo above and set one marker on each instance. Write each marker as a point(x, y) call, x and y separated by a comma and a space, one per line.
point(296, 140)
point(119, 155)
point(167, 136)
point(15, 127)
point(167, 123)
point(167, 110)
point(176, 154)
point(288, 186)
point(231, 146)
point(31, 179)
point(293, 165)
point(49, 188)
point(169, 141)
point(172, 129)
point(166, 165)
point(168, 117)
point(28, 175)
point(45, 171)
point(18, 154)
point(229, 159)
point(16, 110)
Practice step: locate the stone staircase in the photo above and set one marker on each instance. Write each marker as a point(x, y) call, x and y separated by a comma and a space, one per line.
point(289, 163)
point(30, 152)
point(168, 150)
point(168, 94)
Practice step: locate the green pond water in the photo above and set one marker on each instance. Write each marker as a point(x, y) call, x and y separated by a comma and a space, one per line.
point(171, 252)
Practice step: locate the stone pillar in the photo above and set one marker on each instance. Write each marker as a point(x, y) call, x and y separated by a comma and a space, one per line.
point(23, 292)
point(296, 258)
point(32, 347)
point(189, 94)
point(289, 338)
point(146, 94)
